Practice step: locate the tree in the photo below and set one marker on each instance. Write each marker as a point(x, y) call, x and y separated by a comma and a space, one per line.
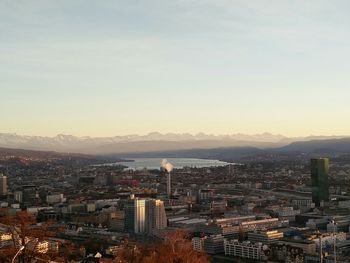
point(176, 248)
point(26, 232)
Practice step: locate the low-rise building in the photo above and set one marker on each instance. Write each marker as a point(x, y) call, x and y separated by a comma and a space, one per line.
point(55, 199)
point(243, 249)
point(264, 237)
point(198, 243)
point(309, 247)
point(327, 239)
point(214, 244)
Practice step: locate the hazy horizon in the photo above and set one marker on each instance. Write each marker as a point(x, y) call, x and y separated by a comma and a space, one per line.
point(180, 133)
point(106, 68)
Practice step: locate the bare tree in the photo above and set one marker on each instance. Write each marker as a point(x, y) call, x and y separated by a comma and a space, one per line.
point(26, 234)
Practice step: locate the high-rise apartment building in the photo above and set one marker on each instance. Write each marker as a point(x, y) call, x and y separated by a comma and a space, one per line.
point(129, 215)
point(140, 216)
point(3, 185)
point(159, 220)
point(144, 216)
point(319, 180)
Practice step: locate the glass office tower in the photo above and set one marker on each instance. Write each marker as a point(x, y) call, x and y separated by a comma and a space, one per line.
point(319, 181)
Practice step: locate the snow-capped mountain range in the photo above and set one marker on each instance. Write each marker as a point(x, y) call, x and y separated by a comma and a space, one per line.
point(154, 141)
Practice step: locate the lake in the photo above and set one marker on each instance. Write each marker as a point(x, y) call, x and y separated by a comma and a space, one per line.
point(154, 163)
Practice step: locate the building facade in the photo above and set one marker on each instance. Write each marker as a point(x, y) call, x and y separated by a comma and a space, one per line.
point(159, 219)
point(243, 249)
point(319, 181)
point(144, 216)
point(198, 243)
point(129, 215)
point(214, 244)
point(264, 237)
point(3, 185)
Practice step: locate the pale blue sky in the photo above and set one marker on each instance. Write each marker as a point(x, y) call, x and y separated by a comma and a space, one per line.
point(105, 68)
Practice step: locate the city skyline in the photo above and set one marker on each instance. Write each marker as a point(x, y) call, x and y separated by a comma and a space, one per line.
point(188, 131)
point(219, 67)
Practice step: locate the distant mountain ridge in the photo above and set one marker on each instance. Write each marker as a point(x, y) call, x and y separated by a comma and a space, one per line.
point(329, 147)
point(151, 142)
point(341, 145)
point(223, 153)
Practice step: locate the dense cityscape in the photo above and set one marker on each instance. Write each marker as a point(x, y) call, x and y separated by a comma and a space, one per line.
point(174, 131)
point(263, 209)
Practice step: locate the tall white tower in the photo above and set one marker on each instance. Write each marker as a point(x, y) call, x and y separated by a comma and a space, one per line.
point(168, 167)
point(168, 184)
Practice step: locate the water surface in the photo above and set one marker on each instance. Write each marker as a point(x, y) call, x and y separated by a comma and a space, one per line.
point(154, 163)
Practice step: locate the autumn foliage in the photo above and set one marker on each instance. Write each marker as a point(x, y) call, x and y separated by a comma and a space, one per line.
point(176, 248)
point(25, 231)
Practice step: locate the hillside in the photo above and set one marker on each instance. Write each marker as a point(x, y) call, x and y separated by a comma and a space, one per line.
point(319, 146)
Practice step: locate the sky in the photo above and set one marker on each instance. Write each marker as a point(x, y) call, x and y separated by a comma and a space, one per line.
point(116, 67)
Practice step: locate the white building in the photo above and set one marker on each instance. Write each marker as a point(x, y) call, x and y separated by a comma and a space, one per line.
point(18, 196)
point(213, 244)
point(140, 216)
point(198, 243)
point(42, 247)
point(55, 199)
point(264, 237)
point(263, 223)
point(205, 194)
point(159, 219)
point(327, 240)
point(218, 206)
point(149, 216)
point(5, 236)
point(344, 204)
point(243, 250)
point(303, 203)
point(287, 213)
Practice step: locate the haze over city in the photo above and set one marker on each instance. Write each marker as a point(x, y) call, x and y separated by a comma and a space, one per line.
point(108, 68)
